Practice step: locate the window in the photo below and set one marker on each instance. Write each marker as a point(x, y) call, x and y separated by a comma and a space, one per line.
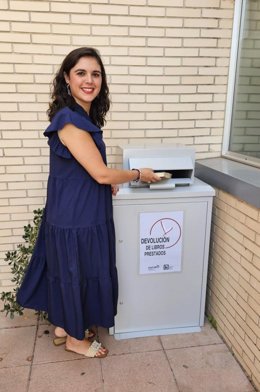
point(242, 122)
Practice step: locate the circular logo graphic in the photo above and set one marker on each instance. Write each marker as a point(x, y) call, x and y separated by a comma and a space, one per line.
point(167, 227)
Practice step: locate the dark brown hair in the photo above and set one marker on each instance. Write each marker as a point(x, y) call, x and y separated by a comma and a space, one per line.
point(61, 98)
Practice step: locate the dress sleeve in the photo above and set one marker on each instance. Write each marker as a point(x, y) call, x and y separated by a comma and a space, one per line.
point(63, 117)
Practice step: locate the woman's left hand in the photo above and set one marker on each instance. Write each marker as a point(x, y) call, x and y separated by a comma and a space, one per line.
point(114, 189)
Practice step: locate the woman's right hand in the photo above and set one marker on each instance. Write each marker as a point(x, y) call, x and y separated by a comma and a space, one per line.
point(148, 175)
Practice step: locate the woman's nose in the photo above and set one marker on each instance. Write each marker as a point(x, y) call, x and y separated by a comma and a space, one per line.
point(88, 78)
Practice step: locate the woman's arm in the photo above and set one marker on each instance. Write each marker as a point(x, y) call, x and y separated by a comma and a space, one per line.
point(84, 150)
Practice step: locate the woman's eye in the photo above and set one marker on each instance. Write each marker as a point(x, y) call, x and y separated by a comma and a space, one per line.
point(96, 74)
point(80, 73)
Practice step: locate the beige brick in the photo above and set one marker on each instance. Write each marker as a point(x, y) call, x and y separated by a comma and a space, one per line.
point(29, 201)
point(252, 347)
point(182, 32)
point(225, 23)
point(73, 8)
point(199, 42)
point(31, 27)
point(181, 89)
point(253, 247)
point(150, 32)
point(146, 52)
point(50, 38)
point(203, 3)
point(33, 68)
point(163, 116)
point(128, 80)
point(217, 33)
point(127, 41)
point(210, 123)
point(197, 79)
point(126, 60)
point(29, 5)
point(217, 52)
point(178, 124)
point(183, 12)
point(181, 71)
point(24, 48)
point(5, 47)
point(147, 11)
point(32, 107)
point(16, 78)
point(163, 80)
point(217, 13)
point(22, 168)
point(5, 26)
point(213, 70)
point(97, 42)
point(127, 20)
point(50, 17)
point(166, 3)
point(252, 224)
point(110, 30)
point(195, 97)
point(9, 125)
point(181, 52)
point(15, 37)
point(144, 70)
point(4, 4)
point(194, 132)
point(186, 107)
point(252, 330)
point(195, 115)
point(130, 2)
point(164, 22)
point(199, 22)
point(163, 61)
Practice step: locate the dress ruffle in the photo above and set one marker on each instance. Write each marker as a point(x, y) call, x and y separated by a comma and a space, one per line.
point(68, 283)
point(63, 117)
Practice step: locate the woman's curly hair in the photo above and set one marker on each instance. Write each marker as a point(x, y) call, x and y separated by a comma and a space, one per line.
point(60, 97)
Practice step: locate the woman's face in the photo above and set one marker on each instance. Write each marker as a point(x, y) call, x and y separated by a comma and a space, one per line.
point(85, 80)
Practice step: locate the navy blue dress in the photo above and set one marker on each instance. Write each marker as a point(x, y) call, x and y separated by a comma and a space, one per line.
point(72, 273)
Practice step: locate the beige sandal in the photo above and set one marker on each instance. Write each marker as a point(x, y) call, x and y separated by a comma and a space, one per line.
point(93, 351)
point(59, 340)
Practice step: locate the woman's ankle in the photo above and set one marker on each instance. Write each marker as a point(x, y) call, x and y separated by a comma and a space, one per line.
point(60, 332)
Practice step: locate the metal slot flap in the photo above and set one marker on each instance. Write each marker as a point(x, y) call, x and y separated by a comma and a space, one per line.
point(162, 163)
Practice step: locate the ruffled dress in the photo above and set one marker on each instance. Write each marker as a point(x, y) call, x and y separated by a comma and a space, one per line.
point(72, 273)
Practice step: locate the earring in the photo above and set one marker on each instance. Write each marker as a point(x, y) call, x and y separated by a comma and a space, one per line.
point(68, 89)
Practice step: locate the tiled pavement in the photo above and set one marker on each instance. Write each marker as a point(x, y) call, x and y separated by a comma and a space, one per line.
point(196, 362)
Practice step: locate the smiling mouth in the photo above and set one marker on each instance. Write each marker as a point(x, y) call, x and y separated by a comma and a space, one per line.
point(87, 90)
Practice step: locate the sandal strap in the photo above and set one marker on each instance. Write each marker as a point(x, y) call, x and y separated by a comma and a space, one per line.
point(93, 349)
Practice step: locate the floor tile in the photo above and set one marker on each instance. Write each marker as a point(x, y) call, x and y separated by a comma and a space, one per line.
point(16, 346)
point(207, 368)
point(45, 351)
point(139, 372)
point(14, 379)
point(28, 318)
point(82, 375)
point(124, 346)
point(207, 336)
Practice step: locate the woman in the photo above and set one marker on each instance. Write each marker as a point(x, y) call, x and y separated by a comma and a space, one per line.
point(72, 274)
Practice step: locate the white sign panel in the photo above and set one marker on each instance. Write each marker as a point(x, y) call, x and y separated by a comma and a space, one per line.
point(161, 242)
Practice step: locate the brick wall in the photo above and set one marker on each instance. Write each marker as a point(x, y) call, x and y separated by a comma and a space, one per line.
point(167, 65)
point(234, 279)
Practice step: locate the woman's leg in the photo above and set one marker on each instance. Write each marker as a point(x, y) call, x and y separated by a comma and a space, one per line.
point(60, 332)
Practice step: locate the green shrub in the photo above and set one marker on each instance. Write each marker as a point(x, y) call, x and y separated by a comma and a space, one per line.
point(18, 261)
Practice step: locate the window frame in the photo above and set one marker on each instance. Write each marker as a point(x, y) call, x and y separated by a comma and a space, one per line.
point(234, 53)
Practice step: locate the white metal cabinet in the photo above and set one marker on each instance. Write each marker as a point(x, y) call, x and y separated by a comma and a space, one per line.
point(162, 303)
